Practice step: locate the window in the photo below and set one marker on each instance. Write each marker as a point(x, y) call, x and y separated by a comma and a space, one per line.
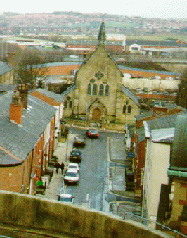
point(89, 89)
point(94, 89)
point(65, 104)
point(70, 104)
point(124, 109)
point(101, 90)
point(129, 109)
point(107, 90)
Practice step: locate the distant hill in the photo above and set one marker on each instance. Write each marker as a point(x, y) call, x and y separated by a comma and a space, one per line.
point(63, 23)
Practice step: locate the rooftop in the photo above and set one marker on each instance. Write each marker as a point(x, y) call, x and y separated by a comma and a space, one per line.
point(17, 141)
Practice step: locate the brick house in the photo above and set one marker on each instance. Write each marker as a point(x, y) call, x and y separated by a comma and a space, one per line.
point(159, 117)
point(56, 101)
point(27, 140)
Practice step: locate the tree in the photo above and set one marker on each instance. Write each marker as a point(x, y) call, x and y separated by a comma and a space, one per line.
point(181, 99)
point(27, 70)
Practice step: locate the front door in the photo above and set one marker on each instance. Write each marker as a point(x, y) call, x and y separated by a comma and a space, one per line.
point(96, 114)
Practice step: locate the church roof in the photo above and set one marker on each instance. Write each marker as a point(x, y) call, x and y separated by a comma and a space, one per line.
point(68, 90)
point(130, 94)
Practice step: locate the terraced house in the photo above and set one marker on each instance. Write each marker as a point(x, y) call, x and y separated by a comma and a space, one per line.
point(27, 140)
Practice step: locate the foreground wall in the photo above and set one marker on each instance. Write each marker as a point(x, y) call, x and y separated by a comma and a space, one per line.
point(34, 212)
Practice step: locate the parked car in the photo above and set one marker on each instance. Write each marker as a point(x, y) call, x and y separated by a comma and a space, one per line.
point(65, 198)
point(71, 177)
point(92, 133)
point(79, 141)
point(73, 166)
point(75, 156)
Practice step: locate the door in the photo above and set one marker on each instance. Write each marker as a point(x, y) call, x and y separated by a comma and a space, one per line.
point(96, 114)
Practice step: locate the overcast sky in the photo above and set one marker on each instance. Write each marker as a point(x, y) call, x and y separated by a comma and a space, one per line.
point(143, 8)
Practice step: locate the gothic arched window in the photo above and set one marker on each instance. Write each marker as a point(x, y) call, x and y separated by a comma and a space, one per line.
point(129, 109)
point(124, 109)
point(70, 104)
point(89, 89)
point(101, 88)
point(94, 89)
point(107, 90)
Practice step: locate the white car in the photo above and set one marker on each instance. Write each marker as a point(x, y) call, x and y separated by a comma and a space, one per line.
point(71, 177)
point(73, 166)
point(65, 198)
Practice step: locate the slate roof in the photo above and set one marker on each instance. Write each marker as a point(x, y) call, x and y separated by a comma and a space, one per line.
point(164, 135)
point(57, 97)
point(162, 125)
point(144, 115)
point(163, 122)
point(18, 141)
point(130, 94)
point(149, 71)
point(7, 87)
point(53, 64)
point(4, 68)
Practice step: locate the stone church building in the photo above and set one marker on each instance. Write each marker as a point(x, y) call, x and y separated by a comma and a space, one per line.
point(98, 96)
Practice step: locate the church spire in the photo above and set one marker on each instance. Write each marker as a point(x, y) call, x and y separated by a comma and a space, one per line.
point(101, 36)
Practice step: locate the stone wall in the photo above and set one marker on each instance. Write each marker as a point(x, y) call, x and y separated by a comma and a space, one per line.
point(51, 215)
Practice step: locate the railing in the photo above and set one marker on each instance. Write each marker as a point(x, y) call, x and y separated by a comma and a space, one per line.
point(131, 216)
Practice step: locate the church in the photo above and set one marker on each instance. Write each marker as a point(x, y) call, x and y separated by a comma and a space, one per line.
point(98, 97)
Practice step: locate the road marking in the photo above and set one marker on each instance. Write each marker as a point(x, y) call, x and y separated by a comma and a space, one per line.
point(108, 147)
point(65, 186)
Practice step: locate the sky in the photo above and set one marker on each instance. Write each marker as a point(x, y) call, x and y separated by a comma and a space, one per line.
point(143, 8)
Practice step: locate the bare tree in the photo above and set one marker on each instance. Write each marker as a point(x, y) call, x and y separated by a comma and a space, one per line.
point(29, 68)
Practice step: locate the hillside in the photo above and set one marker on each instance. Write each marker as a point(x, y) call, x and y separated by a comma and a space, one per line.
point(74, 23)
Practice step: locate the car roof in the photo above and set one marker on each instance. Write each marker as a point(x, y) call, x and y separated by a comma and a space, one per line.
point(66, 195)
point(76, 164)
point(71, 170)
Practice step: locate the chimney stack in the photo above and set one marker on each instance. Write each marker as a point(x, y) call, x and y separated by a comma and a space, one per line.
point(16, 109)
point(23, 92)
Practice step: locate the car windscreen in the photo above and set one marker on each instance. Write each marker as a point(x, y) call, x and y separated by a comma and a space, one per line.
point(75, 153)
point(94, 131)
point(71, 174)
point(72, 166)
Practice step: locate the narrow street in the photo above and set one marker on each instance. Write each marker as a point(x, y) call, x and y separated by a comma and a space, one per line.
point(102, 175)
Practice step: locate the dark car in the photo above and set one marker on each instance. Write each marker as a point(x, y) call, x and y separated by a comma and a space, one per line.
point(92, 133)
point(79, 141)
point(75, 156)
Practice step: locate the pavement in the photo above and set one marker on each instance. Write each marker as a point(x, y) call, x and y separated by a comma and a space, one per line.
point(121, 202)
